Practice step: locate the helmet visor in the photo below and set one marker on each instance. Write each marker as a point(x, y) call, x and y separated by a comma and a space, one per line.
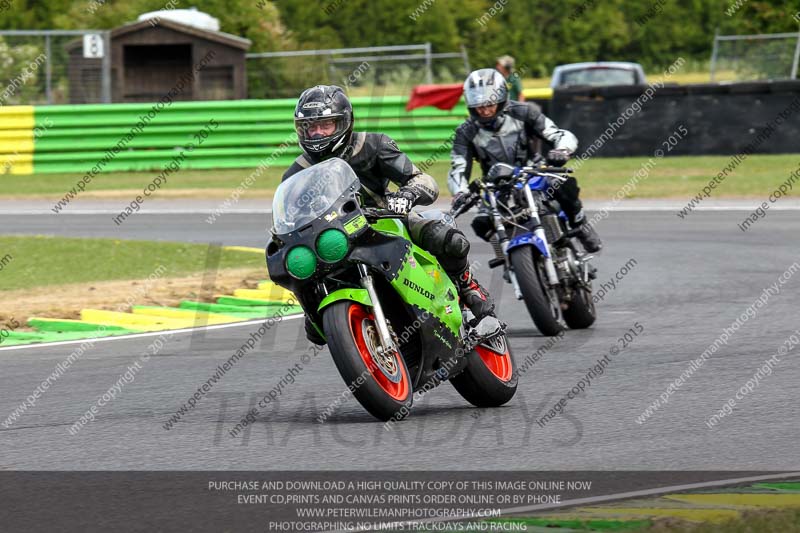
point(484, 96)
point(317, 133)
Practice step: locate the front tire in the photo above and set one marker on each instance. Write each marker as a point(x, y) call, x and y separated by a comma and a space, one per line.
point(490, 378)
point(543, 312)
point(381, 386)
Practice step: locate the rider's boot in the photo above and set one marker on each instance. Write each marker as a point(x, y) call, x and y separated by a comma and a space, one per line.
point(477, 299)
point(586, 233)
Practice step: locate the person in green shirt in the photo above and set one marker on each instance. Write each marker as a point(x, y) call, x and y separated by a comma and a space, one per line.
point(505, 65)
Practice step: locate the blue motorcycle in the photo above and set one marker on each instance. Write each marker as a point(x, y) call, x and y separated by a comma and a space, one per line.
point(534, 245)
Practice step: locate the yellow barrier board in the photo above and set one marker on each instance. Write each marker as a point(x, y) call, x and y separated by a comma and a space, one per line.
point(274, 293)
point(134, 322)
point(198, 318)
point(542, 93)
point(16, 139)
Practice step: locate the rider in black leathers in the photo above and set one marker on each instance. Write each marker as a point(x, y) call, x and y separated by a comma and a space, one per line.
point(324, 123)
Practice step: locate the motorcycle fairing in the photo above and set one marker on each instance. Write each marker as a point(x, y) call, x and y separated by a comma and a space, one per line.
point(528, 239)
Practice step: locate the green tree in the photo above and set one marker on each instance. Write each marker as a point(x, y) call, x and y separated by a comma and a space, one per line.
point(539, 34)
point(21, 69)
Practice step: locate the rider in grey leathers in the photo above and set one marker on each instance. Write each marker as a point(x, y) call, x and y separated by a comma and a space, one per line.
point(503, 131)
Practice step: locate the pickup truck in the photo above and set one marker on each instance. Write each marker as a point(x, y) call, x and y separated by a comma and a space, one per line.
point(598, 74)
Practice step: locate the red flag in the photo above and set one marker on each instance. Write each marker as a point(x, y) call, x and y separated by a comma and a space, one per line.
point(442, 96)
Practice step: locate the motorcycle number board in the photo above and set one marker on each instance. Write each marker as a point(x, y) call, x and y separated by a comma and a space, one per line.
point(93, 46)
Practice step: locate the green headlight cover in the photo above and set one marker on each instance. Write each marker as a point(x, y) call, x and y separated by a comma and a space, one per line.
point(301, 262)
point(332, 245)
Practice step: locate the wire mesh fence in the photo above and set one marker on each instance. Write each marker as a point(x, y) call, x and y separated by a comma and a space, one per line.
point(370, 71)
point(755, 57)
point(35, 67)
point(58, 67)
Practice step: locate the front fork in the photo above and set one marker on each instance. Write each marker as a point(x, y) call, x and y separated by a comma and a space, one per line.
point(502, 239)
point(549, 267)
point(387, 344)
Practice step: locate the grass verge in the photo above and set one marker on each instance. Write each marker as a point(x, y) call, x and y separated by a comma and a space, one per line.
point(785, 521)
point(600, 178)
point(685, 176)
point(52, 261)
point(757, 521)
point(58, 277)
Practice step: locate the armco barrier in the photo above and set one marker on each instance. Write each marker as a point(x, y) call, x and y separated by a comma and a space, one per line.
point(721, 119)
point(75, 138)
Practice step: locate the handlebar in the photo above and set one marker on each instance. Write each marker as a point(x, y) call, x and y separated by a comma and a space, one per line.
point(522, 173)
point(476, 185)
point(377, 213)
point(550, 170)
point(466, 206)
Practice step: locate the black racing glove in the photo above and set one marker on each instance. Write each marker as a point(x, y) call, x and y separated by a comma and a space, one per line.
point(401, 201)
point(558, 158)
point(460, 200)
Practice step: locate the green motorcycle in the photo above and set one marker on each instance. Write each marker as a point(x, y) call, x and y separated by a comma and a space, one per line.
point(388, 311)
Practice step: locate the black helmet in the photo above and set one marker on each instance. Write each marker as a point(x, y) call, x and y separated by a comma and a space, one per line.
point(320, 104)
point(482, 88)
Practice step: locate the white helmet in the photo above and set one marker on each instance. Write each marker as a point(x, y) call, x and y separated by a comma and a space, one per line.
point(485, 87)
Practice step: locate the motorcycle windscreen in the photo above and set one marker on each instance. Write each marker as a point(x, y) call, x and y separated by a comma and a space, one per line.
point(311, 193)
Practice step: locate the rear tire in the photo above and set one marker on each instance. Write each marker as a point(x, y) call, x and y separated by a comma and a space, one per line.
point(581, 312)
point(490, 379)
point(533, 293)
point(349, 328)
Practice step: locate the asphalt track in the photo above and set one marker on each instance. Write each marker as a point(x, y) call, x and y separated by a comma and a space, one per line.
point(692, 278)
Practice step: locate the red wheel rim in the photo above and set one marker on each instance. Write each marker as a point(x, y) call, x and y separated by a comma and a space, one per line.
point(498, 363)
point(398, 391)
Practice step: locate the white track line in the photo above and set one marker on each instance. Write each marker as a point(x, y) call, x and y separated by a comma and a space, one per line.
point(590, 205)
point(679, 207)
point(144, 334)
point(178, 211)
point(612, 497)
point(648, 492)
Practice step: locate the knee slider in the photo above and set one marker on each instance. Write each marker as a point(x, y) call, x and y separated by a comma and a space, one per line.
point(456, 243)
